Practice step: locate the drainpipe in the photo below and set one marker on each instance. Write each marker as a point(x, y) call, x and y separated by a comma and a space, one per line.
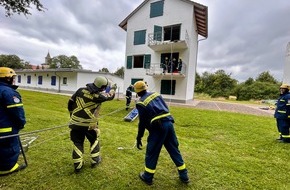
point(197, 51)
point(58, 81)
point(196, 59)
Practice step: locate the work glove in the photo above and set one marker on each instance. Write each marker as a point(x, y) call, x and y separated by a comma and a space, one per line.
point(93, 127)
point(114, 86)
point(139, 144)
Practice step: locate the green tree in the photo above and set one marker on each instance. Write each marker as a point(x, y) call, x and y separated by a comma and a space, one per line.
point(11, 61)
point(202, 82)
point(266, 77)
point(120, 72)
point(198, 83)
point(104, 70)
point(27, 65)
point(264, 87)
point(257, 91)
point(63, 61)
point(20, 6)
point(218, 84)
point(249, 81)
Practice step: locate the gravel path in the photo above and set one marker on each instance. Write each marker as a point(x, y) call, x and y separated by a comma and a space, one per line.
point(231, 107)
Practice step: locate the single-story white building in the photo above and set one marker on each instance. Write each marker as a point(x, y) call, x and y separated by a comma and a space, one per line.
point(62, 80)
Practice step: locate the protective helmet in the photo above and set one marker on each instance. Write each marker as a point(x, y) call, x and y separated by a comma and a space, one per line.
point(286, 86)
point(6, 72)
point(101, 82)
point(140, 86)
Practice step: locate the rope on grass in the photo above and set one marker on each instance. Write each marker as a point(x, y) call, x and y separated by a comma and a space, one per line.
point(52, 128)
point(43, 141)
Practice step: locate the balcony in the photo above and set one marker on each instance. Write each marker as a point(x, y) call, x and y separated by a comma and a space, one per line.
point(157, 72)
point(157, 43)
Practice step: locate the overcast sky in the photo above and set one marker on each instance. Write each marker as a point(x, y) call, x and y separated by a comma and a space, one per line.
point(246, 37)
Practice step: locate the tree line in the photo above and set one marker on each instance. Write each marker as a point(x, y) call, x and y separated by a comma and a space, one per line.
point(221, 84)
point(217, 84)
point(60, 61)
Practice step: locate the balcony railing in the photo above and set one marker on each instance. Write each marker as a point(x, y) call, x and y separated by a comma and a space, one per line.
point(157, 43)
point(156, 70)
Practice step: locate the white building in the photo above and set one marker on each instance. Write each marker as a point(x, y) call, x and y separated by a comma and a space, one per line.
point(62, 80)
point(160, 29)
point(286, 75)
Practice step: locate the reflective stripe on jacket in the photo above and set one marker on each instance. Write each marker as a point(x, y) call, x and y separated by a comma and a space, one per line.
point(83, 105)
point(11, 110)
point(151, 108)
point(283, 107)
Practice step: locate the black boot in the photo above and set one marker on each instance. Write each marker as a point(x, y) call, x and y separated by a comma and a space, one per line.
point(93, 165)
point(183, 176)
point(20, 167)
point(146, 177)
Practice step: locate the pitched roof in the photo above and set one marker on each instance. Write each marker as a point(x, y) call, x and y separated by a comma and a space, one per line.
point(200, 12)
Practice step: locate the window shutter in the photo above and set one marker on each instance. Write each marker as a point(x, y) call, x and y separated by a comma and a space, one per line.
point(157, 33)
point(129, 62)
point(168, 87)
point(53, 80)
point(147, 61)
point(156, 9)
point(139, 37)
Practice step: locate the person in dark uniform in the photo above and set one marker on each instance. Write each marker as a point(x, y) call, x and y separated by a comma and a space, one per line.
point(12, 120)
point(154, 116)
point(282, 113)
point(179, 65)
point(165, 65)
point(128, 96)
point(84, 107)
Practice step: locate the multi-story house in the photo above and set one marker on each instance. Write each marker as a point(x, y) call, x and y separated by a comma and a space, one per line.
point(159, 34)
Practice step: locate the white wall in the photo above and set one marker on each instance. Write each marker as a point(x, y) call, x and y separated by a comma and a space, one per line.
point(75, 80)
point(175, 12)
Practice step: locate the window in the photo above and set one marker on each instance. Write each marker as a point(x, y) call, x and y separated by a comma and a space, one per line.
point(28, 79)
point(168, 87)
point(170, 56)
point(138, 61)
point(139, 37)
point(157, 33)
point(129, 62)
point(147, 61)
point(172, 33)
point(39, 79)
point(19, 78)
point(64, 80)
point(156, 9)
point(53, 80)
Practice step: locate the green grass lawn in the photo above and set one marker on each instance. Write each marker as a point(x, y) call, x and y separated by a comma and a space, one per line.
point(222, 150)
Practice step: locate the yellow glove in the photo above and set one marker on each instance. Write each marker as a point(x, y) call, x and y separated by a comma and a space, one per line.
point(93, 127)
point(114, 86)
point(98, 131)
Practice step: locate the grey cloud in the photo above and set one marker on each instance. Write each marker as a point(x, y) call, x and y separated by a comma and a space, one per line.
point(246, 37)
point(251, 35)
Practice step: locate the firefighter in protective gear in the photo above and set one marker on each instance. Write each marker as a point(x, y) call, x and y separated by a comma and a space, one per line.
point(84, 107)
point(129, 96)
point(12, 120)
point(154, 116)
point(282, 113)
